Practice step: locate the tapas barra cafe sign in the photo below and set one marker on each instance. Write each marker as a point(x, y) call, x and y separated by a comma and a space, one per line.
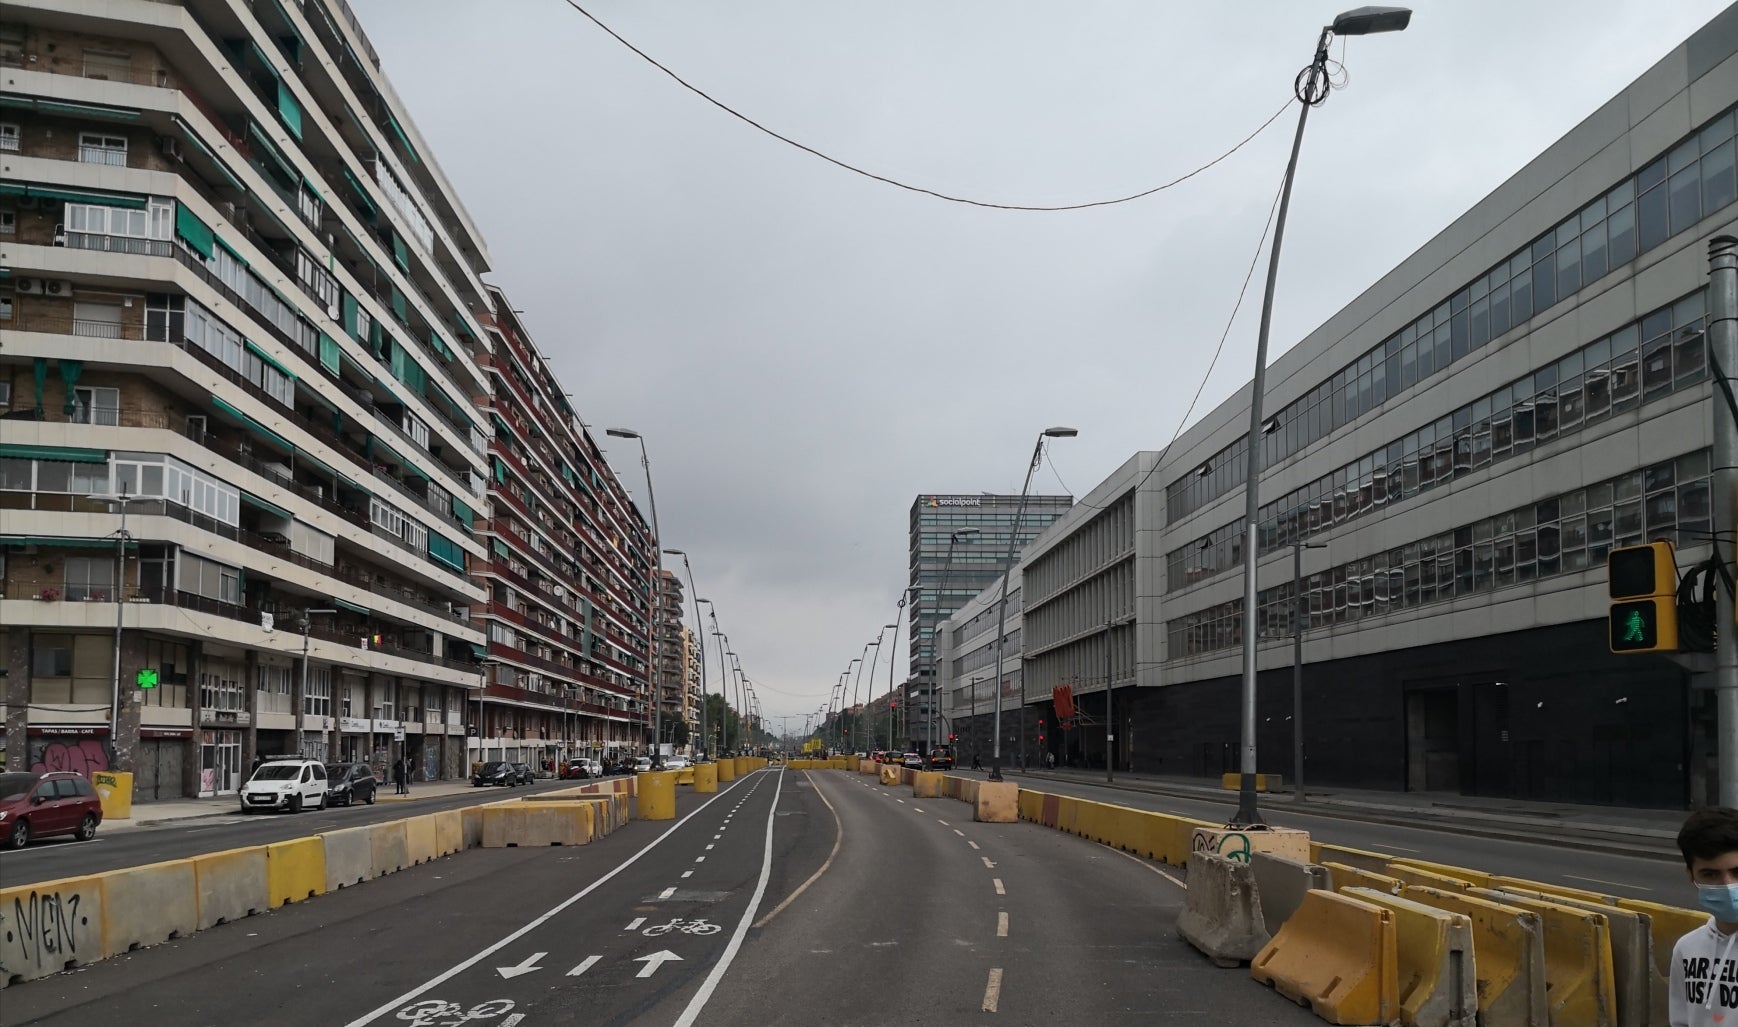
point(938, 501)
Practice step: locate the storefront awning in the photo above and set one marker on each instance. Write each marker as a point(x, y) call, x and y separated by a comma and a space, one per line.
point(77, 456)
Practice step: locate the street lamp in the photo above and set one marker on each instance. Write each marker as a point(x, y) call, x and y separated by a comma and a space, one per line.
point(1002, 604)
point(121, 499)
point(695, 592)
point(1311, 88)
point(657, 597)
point(892, 658)
point(301, 700)
point(970, 534)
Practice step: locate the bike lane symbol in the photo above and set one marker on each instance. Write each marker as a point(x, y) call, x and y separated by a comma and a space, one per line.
point(680, 926)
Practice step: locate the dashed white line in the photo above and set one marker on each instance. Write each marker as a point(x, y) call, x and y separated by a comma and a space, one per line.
point(993, 990)
point(1001, 925)
point(999, 889)
point(900, 801)
point(971, 843)
point(687, 873)
point(699, 859)
point(666, 893)
point(943, 822)
point(918, 810)
point(987, 864)
point(957, 831)
point(634, 924)
point(716, 837)
point(709, 848)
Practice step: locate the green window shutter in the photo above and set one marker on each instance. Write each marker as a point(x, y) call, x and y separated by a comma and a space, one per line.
point(403, 140)
point(289, 110)
point(463, 513)
point(400, 252)
point(330, 358)
point(349, 315)
point(376, 339)
point(196, 232)
point(361, 195)
point(415, 378)
point(396, 359)
point(501, 548)
point(500, 471)
point(399, 306)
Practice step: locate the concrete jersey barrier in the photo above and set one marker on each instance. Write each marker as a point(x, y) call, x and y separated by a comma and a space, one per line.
point(1222, 910)
point(1580, 982)
point(1508, 956)
point(1282, 883)
point(1338, 954)
point(1438, 986)
point(52, 925)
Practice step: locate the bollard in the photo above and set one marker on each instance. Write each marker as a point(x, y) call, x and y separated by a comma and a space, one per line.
point(115, 787)
point(706, 777)
point(726, 769)
point(657, 795)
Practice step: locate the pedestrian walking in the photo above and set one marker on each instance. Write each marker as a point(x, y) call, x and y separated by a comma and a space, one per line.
point(398, 787)
point(1049, 761)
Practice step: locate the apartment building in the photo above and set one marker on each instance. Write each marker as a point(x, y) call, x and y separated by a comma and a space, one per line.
point(567, 607)
point(672, 655)
point(693, 685)
point(1449, 458)
point(245, 418)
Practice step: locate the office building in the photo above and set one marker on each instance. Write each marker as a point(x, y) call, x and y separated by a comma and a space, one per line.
point(947, 575)
point(1466, 440)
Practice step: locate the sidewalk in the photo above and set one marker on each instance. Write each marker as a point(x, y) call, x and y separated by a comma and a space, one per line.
point(151, 814)
point(1620, 829)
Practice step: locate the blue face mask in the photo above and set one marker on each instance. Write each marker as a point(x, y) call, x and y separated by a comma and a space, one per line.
point(1720, 900)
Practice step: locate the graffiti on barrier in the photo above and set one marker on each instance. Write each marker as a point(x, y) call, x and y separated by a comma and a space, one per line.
point(1233, 845)
point(84, 757)
point(44, 931)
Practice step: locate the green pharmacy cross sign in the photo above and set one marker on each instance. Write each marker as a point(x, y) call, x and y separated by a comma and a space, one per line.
point(146, 678)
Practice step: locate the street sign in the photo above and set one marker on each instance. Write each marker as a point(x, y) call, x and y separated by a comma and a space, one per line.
point(398, 733)
point(146, 678)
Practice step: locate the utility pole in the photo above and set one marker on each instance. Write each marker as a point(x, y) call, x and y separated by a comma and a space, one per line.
point(1109, 712)
point(1723, 348)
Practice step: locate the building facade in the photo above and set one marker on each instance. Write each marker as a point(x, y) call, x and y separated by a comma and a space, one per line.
point(567, 611)
point(1465, 441)
point(672, 656)
point(966, 672)
point(947, 573)
point(692, 684)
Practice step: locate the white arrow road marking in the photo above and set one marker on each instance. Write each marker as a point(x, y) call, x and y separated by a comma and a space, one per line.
point(525, 967)
point(987, 864)
point(591, 961)
point(654, 961)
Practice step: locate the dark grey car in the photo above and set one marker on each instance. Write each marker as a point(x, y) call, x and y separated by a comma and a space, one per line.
point(349, 783)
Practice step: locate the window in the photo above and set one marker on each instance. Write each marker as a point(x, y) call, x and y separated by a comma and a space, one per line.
point(9, 136)
point(51, 658)
point(317, 699)
point(94, 148)
point(114, 65)
point(99, 320)
point(208, 578)
point(8, 226)
point(97, 406)
point(220, 686)
point(318, 283)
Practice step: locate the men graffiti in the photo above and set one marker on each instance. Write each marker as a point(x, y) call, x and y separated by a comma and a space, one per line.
point(84, 757)
point(42, 933)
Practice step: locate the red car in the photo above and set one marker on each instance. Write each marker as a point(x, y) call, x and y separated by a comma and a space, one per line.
point(45, 803)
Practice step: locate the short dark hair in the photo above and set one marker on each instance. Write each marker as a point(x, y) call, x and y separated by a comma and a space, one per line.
point(1709, 833)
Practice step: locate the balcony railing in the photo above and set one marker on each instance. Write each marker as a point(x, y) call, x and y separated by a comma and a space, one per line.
point(102, 155)
point(115, 244)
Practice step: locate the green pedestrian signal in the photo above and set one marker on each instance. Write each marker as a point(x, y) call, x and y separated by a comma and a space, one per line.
point(1634, 628)
point(1642, 582)
point(146, 678)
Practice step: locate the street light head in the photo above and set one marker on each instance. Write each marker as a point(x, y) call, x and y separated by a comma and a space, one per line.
point(708, 602)
point(623, 433)
point(1366, 21)
point(674, 552)
point(889, 627)
point(967, 533)
point(1068, 433)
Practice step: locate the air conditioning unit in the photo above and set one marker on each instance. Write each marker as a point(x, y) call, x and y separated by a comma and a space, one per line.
point(171, 147)
point(28, 286)
point(29, 202)
point(56, 286)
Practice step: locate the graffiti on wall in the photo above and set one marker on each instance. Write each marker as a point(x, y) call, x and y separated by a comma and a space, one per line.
point(41, 931)
point(83, 757)
point(1233, 845)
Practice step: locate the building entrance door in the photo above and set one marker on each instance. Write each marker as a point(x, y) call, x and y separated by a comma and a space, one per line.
point(1433, 740)
point(219, 763)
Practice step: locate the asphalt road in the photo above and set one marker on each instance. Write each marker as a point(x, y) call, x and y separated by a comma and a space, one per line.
point(1628, 876)
point(48, 859)
point(787, 898)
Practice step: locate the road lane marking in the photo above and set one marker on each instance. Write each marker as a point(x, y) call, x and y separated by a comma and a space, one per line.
point(666, 893)
point(1614, 884)
point(1398, 848)
point(915, 808)
point(524, 966)
point(716, 837)
point(999, 889)
point(563, 905)
point(838, 840)
point(942, 822)
point(1149, 866)
point(1001, 925)
point(957, 831)
point(709, 848)
point(656, 960)
point(699, 859)
point(687, 874)
point(987, 864)
point(634, 924)
point(900, 801)
point(993, 990)
point(971, 843)
point(586, 964)
point(708, 986)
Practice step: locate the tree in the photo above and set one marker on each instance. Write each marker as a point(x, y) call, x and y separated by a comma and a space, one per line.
point(679, 733)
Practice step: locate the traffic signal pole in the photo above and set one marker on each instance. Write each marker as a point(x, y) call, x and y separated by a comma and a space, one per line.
point(1723, 348)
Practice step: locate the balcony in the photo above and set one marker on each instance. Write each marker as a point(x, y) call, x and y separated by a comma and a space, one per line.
point(102, 155)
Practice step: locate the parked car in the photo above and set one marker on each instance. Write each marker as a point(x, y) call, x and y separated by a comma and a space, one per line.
point(643, 764)
point(286, 784)
point(576, 770)
point(941, 758)
point(346, 783)
point(495, 772)
point(47, 802)
point(911, 761)
point(676, 763)
point(523, 774)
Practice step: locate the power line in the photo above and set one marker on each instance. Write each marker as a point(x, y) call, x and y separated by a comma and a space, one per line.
point(855, 170)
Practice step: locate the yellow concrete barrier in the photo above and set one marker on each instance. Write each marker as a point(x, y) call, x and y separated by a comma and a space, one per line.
point(658, 795)
point(388, 847)
point(295, 870)
point(1338, 954)
point(889, 774)
point(143, 906)
point(1434, 946)
point(538, 824)
point(726, 769)
point(995, 803)
point(350, 856)
point(1421, 878)
point(685, 776)
point(231, 885)
point(1640, 994)
point(1477, 878)
point(421, 841)
point(115, 788)
point(52, 926)
point(853, 762)
point(1508, 947)
point(1344, 877)
point(449, 832)
point(1263, 782)
point(1522, 884)
point(706, 778)
point(925, 785)
point(1580, 981)
point(1666, 924)
point(1363, 859)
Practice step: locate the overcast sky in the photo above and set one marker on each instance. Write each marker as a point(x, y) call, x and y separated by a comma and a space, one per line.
point(806, 350)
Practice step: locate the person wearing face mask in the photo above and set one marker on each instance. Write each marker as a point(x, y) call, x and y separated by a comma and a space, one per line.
point(1704, 985)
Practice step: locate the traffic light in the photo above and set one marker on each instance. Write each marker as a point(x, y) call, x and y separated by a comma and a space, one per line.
point(1643, 585)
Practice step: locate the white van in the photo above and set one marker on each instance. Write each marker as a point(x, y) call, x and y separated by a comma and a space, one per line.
point(288, 784)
